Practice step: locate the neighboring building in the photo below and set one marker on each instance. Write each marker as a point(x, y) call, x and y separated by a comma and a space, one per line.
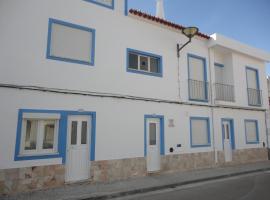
point(268, 117)
point(91, 92)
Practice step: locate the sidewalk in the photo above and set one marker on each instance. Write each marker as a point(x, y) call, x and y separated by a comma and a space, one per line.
point(139, 185)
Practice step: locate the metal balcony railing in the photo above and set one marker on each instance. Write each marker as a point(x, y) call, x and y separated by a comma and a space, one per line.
point(224, 92)
point(254, 97)
point(198, 90)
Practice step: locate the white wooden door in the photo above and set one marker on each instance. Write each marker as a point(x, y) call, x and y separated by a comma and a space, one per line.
point(226, 127)
point(78, 160)
point(153, 144)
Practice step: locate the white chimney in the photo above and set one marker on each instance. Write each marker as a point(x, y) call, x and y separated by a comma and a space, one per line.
point(160, 9)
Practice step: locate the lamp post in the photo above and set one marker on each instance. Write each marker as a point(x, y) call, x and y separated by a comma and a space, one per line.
point(189, 32)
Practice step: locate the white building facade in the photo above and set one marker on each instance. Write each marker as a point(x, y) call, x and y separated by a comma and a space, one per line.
point(90, 91)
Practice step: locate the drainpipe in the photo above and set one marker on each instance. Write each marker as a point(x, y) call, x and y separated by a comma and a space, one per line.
point(212, 108)
point(266, 127)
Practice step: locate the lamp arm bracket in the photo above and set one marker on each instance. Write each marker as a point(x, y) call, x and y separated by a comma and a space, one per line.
point(180, 48)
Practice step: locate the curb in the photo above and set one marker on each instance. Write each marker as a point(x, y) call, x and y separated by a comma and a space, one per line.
point(173, 185)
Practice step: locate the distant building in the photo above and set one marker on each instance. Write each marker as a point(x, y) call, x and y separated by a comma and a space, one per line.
point(92, 91)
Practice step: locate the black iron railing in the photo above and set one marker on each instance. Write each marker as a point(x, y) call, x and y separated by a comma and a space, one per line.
point(198, 90)
point(254, 97)
point(224, 92)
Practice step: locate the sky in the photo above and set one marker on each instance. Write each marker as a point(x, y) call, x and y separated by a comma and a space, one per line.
point(247, 21)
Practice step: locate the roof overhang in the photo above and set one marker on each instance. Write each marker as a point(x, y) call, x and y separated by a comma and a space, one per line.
point(222, 41)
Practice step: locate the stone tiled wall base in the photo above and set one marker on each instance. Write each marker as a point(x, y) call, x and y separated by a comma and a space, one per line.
point(31, 178)
point(112, 170)
point(243, 156)
point(185, 162)
point(35, 178)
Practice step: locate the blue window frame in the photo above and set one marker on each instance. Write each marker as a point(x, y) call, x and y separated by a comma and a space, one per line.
point(196, 129)
point(100, 3)
point(197, 88)
point(253, 91)
point(62, 134)
point(91, 48)
point(144, 63)
point(251, 131)
point(232, 138)
point(162, 138)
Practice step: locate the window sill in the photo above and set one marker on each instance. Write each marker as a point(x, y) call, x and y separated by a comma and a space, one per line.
point(71, 60)
point(257, 142)
point(200, 146)
point(36, 156)
point(145, 73)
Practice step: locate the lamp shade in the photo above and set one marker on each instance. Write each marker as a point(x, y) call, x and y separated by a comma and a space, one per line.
point(190, 31)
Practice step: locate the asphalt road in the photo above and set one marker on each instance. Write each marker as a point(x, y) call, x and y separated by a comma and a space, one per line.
point(248, 187)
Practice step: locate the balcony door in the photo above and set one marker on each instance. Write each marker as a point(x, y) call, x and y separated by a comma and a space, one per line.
point(197, 75)
point(253, 87)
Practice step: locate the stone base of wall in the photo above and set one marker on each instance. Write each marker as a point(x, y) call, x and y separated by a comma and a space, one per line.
point(43, 177)
point(243, 156)
point(31, 178)
point(185, 162)
point(112, 170)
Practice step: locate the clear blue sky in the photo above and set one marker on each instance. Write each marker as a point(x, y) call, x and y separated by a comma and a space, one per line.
point(247, 21)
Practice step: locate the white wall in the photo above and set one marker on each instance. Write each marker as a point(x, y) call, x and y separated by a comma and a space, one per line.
point(120, 124)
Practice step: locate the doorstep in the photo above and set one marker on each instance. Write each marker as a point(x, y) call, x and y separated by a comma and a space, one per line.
point(115, 189)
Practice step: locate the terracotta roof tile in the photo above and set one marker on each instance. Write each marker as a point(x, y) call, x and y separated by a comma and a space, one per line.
point(162, 21)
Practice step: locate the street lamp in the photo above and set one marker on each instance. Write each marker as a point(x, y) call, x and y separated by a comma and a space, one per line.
point(190, 32)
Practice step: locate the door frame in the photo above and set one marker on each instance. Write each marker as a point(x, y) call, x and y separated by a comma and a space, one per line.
point(161, 137)
point(92, 132)
point(71, 118)
point(232, 138)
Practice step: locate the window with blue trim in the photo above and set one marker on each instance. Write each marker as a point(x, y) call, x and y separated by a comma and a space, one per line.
point(39, 134)
point(105, 3)
point(253, 87)
point(197, 78)
point(70, 42)
point(252, 132)
point(199, 132)
point(144, 63)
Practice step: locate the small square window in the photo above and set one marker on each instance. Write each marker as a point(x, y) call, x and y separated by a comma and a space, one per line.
point(144, 63)
point(105, 3)
point(252, 135)
point(39, 134)
point(70, 43)
point(199, 132)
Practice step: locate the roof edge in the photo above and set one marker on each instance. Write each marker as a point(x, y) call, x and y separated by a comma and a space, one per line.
point(220, 40)
point(163, 22)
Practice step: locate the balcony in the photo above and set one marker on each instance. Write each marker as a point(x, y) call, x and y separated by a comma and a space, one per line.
point(254, 97)
point(198, 90)
point(224, 92)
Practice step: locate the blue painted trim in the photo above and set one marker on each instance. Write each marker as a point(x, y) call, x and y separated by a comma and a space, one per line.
point(101, 4)
point(219, 65)
point(232, 138)
point(126, 7)
point(258, 84)
point(162, 137)
point(208, 131)
point(142, 53)
point(205, 77)
point(75, 26)
point(62, 134)
point(257, 131)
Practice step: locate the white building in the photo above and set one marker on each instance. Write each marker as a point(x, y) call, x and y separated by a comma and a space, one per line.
point(90, 91)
